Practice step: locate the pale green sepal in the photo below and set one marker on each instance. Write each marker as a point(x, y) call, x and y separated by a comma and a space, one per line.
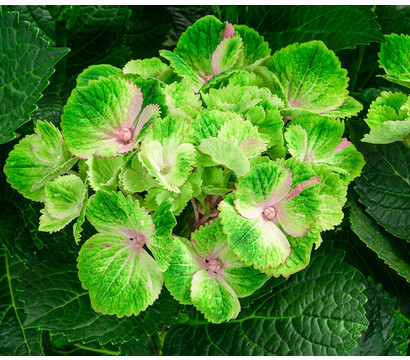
point(134, 177)
point(256, 49)
point(351, 107)
point(77, 228)
point(388, 132)
point(318, 139)
point(170, 165)
point(182, 101)
point(155, 196)
point(214, 298)
point(182, 69)
point(122, 279)
point(256, 242)
point(94, 72)
point(300, 252)
point(62, 169)
point(210, 243)
point(153, 67)
point(36, 158)
point(332, 193)
point(161, 241)
point(225, 153)
point(182, 268)
point(64, 198)
point(105, 118)
point(111, 212)
point(103, 172)
point(208, 124)
point(394, 58)
point(311, 76)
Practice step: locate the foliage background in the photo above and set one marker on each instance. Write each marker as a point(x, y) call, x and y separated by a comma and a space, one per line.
point(44, 310)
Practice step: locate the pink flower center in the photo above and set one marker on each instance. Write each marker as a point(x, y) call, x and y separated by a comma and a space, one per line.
point(139, 241)
point(126, 135)
point(270, 213)
point(214, 265)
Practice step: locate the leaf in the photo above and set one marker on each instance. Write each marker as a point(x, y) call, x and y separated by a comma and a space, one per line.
point(385, 246)
point(121, 278)
point(64, 198)
point(18, 340)
point(338, 26)
point(36, 159)
point(318, 139)
point(394, 58)
point(384, 186)
point(27, 62)
point(102, 28)
point(350, 107)
point(313, 79)
point(319, 322)
point(55, 301)
point(387, 334)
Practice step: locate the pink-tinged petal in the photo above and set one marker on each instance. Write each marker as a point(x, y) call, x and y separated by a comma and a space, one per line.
point(275, 235)
point(302, 186)
point(290, 223)
point(146, 114)
point(229, 31)
point(344, 143)
point(280, 191)
point(134, 108)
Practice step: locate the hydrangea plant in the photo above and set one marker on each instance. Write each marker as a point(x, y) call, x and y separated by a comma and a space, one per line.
point(208, 170)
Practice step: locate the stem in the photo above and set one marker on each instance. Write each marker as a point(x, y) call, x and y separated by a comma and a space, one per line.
point(158, 339)
point(101, 351)
point(61, 41)
point(356, 66)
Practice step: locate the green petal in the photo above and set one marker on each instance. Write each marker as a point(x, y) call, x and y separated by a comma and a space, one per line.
point(36, 159)
point(214, 298)
point(115, 213)
point(121, 279)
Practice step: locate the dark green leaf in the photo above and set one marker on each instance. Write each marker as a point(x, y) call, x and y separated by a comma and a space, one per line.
point(387, 247)
point(384, 186)
point(16, 339)
point(55, 301)
point(26, 62)
point(339, 27)
point(318, 311)
point(386, 334)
